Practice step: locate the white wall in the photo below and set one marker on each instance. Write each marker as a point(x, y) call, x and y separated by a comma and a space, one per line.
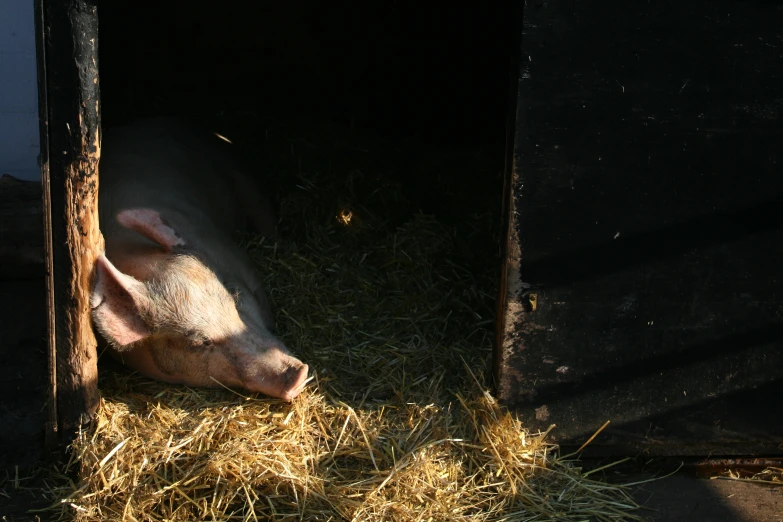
point(18, 91)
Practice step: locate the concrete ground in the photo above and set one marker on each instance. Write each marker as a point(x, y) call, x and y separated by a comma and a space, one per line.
point(686, 498)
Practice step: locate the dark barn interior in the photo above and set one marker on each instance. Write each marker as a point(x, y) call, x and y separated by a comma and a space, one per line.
point(424, 92)
point(420, 75)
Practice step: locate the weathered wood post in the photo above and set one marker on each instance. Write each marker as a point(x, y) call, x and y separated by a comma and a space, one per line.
point(69, 109)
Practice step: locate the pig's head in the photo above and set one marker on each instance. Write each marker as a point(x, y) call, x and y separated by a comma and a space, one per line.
point(180, 324)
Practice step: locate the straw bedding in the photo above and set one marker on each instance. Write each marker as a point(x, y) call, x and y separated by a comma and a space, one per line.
point(393, 310)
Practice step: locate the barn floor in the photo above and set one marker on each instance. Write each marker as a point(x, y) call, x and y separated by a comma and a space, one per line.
point(687, 498)
point(23, 386)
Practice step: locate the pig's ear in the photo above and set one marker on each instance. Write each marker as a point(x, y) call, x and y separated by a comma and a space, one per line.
point(116, 302)
point(151, 225)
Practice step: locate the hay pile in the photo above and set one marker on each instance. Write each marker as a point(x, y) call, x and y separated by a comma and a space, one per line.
point(393, 310)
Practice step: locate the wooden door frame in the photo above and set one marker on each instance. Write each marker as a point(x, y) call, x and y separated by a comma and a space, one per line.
point(69, 115)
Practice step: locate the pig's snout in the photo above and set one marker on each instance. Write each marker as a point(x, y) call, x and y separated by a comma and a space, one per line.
point(294, 380)
point(279, 375)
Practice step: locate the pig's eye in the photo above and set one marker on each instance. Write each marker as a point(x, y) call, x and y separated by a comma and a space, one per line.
point(197, 340)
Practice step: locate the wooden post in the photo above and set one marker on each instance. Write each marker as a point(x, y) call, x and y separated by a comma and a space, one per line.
point(69, 109)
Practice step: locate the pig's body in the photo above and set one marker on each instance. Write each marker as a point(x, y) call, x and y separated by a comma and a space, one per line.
point(192, 180)
point(177, 299)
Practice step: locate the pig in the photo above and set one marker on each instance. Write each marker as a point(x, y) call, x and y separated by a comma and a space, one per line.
point(173, 296)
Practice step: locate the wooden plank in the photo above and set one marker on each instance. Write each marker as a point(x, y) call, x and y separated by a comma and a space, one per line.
point(508, 250)
point(70, 150)
point(643, 281)
point(51, 428)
